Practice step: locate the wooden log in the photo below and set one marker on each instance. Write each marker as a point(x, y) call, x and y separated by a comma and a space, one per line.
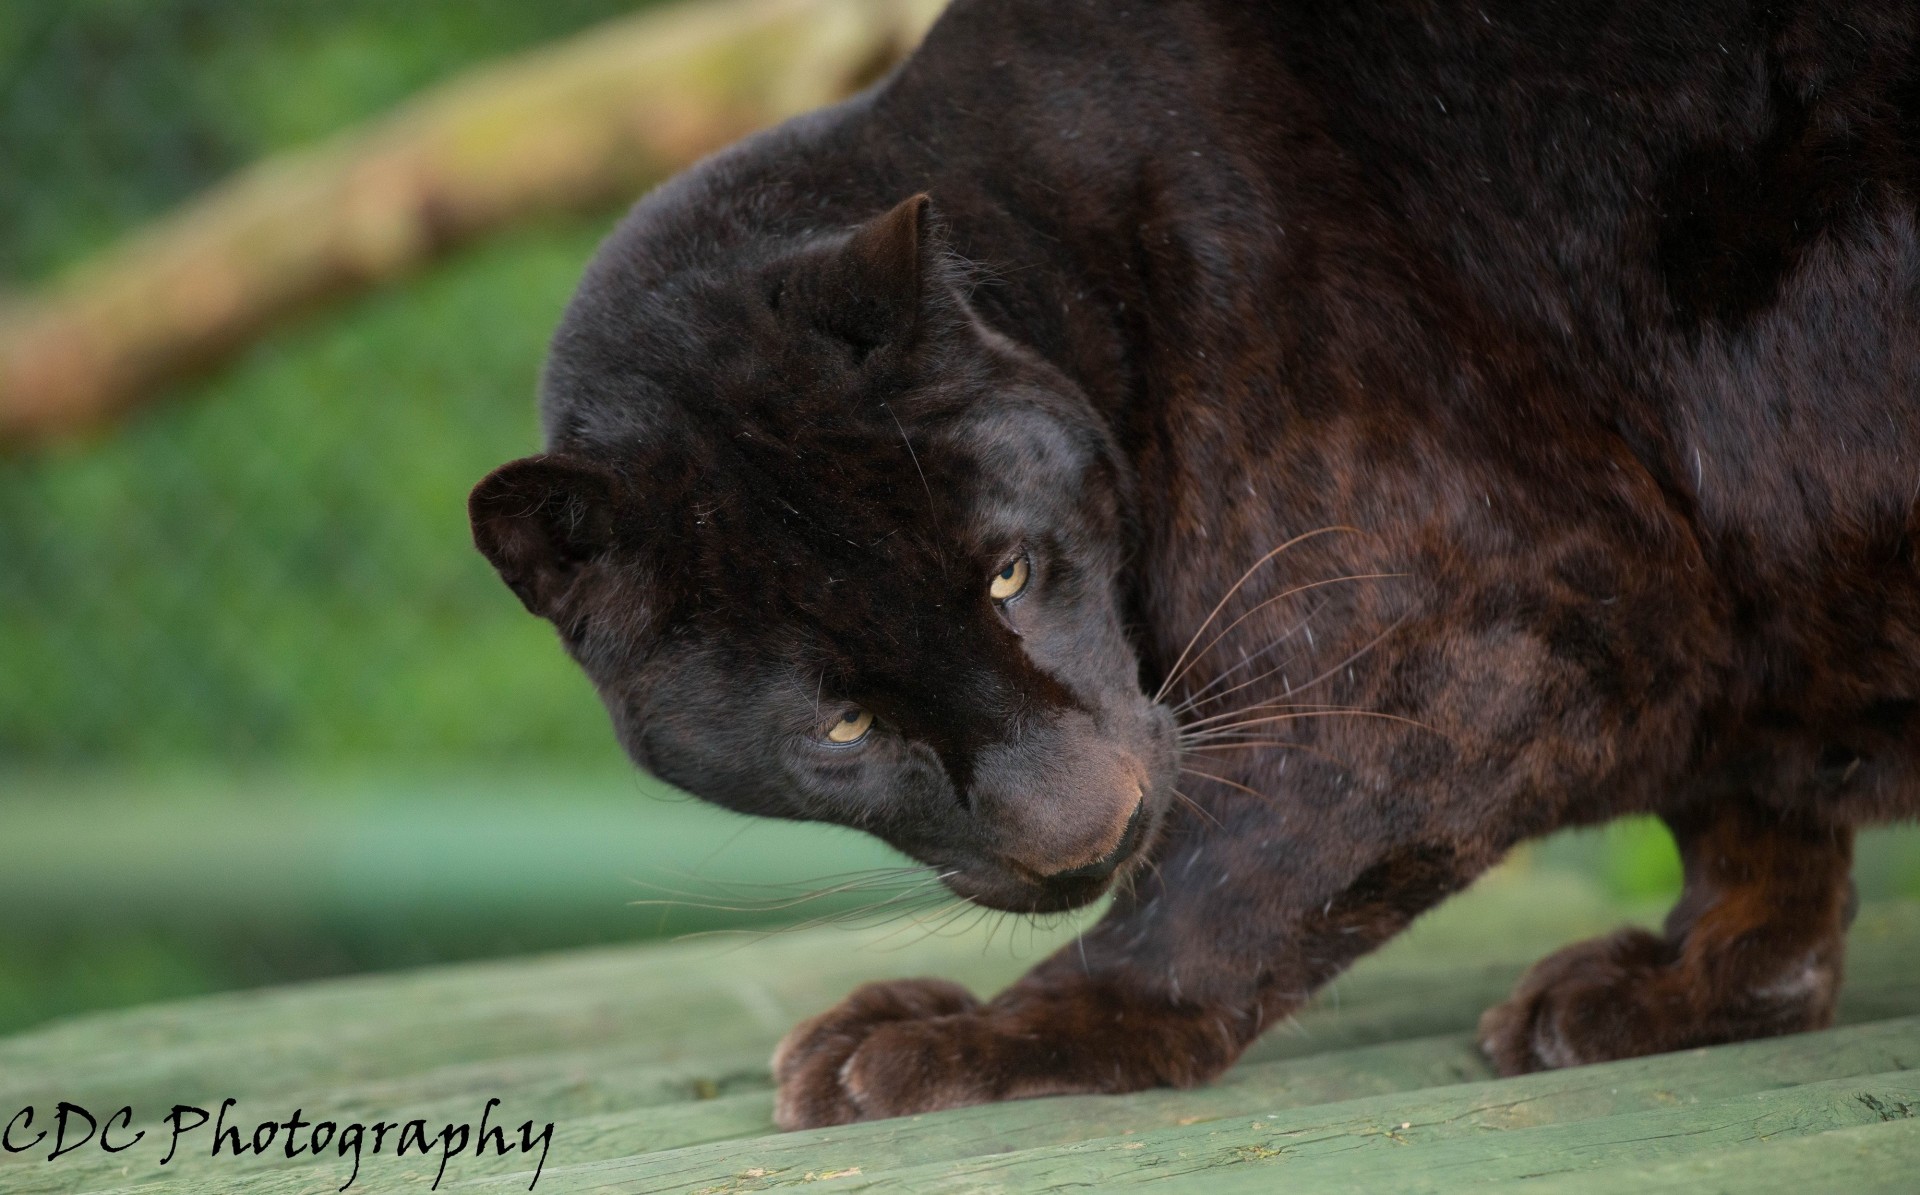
point(577, 126)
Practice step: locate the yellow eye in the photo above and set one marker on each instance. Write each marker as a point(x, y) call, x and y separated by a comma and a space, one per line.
point(1009, 581)
point(852, 726)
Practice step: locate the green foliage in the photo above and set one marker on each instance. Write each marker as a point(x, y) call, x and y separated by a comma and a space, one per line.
point(273, 565)
point(278, 562)
point(1639, 860)
point(112, 111)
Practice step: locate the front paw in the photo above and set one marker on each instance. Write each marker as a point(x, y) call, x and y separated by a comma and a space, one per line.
point(886, 1050)
point(1593, 1001)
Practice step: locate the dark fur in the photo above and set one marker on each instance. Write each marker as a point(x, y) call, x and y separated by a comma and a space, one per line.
point(1594, 325)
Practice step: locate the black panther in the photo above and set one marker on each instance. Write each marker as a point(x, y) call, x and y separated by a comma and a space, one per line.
point(1263, 460)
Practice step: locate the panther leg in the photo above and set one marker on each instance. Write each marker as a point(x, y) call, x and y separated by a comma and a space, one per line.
point(1166, 991)
point(1753, 948)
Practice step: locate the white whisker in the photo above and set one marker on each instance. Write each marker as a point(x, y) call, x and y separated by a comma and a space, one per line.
point(1180, 662)
point(1298, 589)
point(1223, 780)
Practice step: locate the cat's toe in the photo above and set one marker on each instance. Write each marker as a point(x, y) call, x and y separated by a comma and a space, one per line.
point(1504, 1033)
point(812, 1064)
point(1591, 1002)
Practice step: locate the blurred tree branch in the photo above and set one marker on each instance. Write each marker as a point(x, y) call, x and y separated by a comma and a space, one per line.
point(574, 126)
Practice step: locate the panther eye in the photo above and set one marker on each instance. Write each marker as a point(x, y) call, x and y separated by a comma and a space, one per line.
point(1009, 581)
point(851, 728)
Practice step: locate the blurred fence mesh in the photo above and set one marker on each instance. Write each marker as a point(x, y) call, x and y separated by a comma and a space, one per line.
point(277, 563)
point(274, 563)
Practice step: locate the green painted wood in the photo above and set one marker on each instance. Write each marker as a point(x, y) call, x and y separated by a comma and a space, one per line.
point(1230, 1119)
point(651, 1129)
point(1474, 1161)
point(652, 1063)
point(1705, 1091)
point(1881, 1159)
point(672, 1003)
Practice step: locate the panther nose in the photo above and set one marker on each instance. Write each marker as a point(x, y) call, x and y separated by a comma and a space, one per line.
point(1105, 866)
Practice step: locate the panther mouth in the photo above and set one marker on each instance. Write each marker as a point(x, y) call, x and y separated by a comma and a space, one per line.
point(1107, 864)
point(1066, 890)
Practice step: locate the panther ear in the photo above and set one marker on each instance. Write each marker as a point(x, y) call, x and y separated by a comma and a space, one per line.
point(875, 285)
point(541, 521)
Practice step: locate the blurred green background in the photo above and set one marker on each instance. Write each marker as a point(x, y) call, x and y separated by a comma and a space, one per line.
point(264, 714)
